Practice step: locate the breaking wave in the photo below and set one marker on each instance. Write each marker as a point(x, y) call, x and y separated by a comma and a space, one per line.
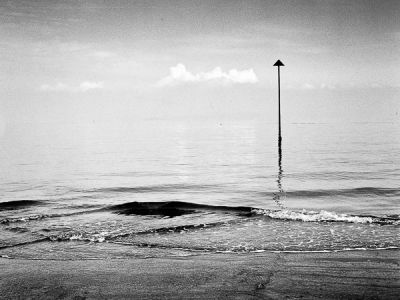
point(325, 216)
point(176, 208)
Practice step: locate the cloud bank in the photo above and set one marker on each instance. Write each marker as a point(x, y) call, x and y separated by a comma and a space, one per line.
point(62, 87)
point(179, 74)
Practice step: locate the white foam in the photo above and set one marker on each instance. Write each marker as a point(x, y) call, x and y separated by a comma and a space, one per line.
point(337, 250)
point(97, 238)
point(313, 216)
point(23, 219)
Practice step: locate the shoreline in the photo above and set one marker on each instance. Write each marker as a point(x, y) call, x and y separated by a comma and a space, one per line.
point(267, 275)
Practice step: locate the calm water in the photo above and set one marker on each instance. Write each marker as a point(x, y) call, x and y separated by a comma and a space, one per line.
point(155, 188)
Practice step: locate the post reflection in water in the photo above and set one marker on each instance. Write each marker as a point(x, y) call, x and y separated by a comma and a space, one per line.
point(279, 196)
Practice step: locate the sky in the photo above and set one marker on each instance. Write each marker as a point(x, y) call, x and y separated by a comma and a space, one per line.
point(94, 61)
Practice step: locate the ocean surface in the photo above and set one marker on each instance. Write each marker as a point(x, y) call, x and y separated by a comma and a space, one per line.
point(162, 187)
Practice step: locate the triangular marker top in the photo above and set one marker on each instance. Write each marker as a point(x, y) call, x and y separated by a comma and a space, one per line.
point(278, 63)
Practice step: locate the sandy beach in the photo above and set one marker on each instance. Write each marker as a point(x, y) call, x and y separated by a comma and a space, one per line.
point(341, 275)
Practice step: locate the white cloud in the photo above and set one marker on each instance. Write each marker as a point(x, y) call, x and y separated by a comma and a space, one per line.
point(90, 85)
point(179, 74)
point(308, 86)
point(62, 87)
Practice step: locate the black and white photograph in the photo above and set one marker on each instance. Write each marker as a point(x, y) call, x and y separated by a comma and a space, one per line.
point(200, 149)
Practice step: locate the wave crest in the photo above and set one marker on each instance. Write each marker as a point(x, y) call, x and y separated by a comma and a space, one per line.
point(323, 216)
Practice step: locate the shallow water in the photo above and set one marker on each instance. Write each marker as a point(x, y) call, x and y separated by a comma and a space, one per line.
point(154, 188)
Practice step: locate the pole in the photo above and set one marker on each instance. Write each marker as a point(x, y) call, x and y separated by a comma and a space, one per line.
point(279, 64)
point(280, 193)
point(279, 105)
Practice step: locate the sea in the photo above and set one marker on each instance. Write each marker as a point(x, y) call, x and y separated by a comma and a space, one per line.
point(160, 188)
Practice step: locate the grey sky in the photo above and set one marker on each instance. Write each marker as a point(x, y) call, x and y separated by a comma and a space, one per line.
point(60, 59)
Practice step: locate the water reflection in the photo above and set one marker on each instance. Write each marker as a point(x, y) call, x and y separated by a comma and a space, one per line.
point(279, 196)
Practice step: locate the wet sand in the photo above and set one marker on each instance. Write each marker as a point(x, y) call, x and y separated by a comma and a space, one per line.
point(342, 275)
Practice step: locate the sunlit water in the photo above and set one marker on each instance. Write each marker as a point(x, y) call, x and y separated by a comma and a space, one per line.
point(69, 191)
